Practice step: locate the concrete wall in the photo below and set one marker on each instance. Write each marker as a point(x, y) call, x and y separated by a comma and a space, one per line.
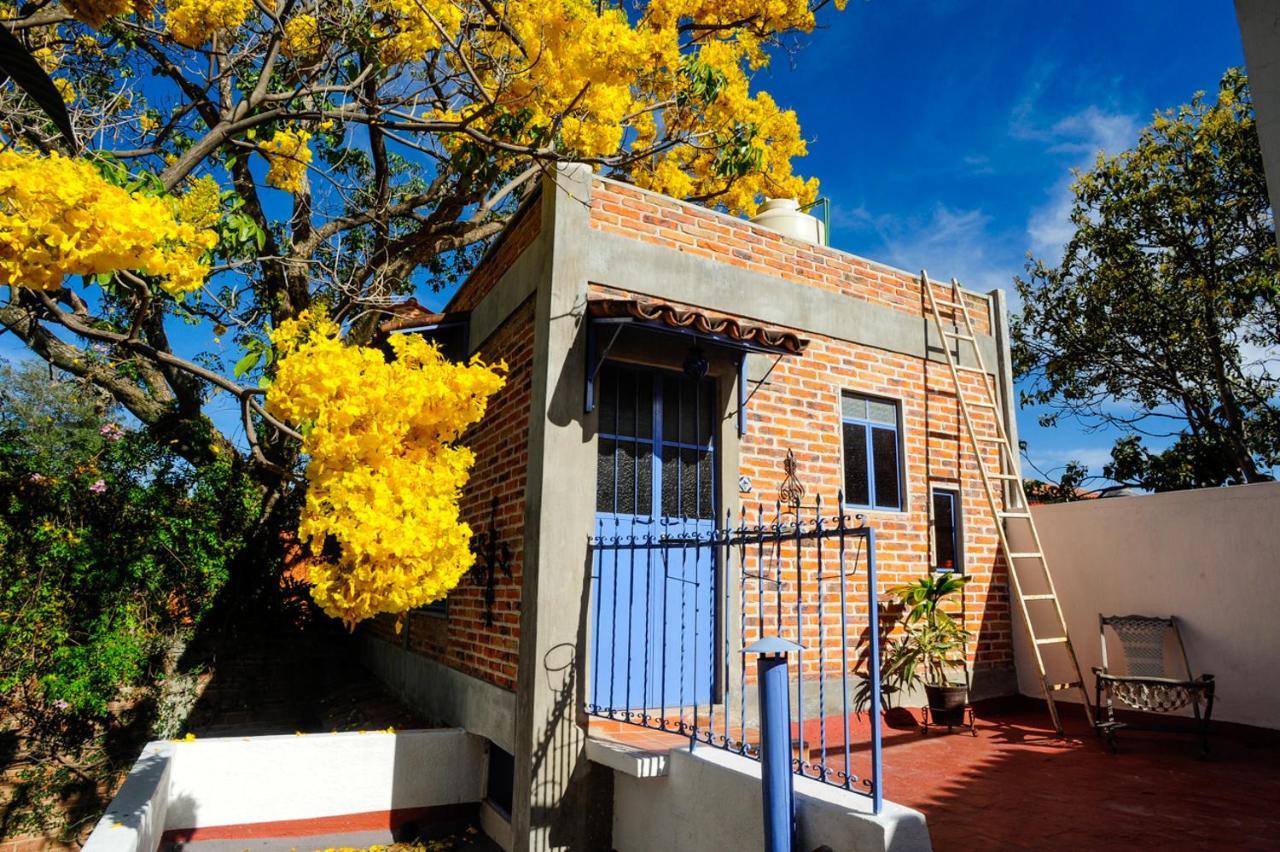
point(1208, 556)
point(710, 799)
point(240, 781)
point(1260, 32)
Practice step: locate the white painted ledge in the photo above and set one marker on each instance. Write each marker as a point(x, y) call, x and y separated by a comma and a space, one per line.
point(710, 799)
point(629, 760)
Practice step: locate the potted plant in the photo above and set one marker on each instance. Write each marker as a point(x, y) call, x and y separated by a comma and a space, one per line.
point(932, 646)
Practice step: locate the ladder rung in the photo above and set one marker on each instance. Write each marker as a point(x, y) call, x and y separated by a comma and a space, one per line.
point(1053, 640)
point(958, 335)
point(965, 368)
point(991, 439)
point(1030, 554)
point(977, 403)
point(1011, 476)
point(1062, 687)
point(1038, 597)
point(1014, 514)
point(950, 304)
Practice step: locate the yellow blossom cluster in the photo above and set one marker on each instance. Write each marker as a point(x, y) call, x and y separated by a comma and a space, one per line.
point(96, 12)
point(775, 141)
point(201, 205)
point(385, 470)
point(192, 22)
point(288, 155)
point(302, 39)
point(59, 217)
point(409, 29)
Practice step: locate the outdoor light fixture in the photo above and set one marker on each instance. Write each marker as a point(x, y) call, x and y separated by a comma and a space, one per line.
point(695, 363)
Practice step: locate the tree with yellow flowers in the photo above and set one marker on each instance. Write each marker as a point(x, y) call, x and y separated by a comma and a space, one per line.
point(266, 176)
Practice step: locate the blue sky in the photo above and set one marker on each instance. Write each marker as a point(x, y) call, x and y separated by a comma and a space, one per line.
point(945, 131)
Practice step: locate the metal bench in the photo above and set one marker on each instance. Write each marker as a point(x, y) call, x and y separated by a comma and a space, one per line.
point(1146, 685)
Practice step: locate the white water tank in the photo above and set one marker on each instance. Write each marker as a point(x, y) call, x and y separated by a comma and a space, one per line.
point(785, 216)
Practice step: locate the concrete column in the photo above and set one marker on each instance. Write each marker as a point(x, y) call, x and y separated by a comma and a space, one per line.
point(561, 800)
point(1004, 372)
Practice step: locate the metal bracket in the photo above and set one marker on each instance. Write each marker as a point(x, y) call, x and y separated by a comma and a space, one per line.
point(594, 362)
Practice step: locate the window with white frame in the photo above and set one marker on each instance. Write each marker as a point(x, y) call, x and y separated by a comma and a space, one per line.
point(872, 452)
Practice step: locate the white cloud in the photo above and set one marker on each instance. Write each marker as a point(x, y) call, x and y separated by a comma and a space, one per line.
point(945, 241)
point(1080, 137)
point(1052, 461)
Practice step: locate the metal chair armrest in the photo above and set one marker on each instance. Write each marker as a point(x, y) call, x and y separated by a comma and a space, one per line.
point(1199, 683)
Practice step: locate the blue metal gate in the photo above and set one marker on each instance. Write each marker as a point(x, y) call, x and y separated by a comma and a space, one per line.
point(653, 611)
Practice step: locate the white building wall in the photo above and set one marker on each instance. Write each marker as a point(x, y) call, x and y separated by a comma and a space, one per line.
point(1210, 556)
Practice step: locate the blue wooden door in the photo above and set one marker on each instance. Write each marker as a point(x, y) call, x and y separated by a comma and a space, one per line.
point(653, 617)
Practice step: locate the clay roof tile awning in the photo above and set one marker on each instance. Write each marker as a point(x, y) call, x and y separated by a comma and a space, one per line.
point(678, 318)
point(411, 315)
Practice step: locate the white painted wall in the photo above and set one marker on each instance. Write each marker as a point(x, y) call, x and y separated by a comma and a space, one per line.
point(1210, 556)
point(239, 780)
point(710, 799)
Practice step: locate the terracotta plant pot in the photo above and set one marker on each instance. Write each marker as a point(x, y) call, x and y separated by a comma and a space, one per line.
point(946, 703)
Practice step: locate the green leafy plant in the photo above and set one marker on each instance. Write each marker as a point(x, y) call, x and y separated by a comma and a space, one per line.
point(931, 645)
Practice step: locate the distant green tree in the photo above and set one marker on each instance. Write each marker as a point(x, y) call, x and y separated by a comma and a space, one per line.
point(1166, 306)
point(1069, 487)
point(109, 544)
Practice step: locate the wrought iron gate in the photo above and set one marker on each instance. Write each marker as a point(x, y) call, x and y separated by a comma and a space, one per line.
point(795, 573)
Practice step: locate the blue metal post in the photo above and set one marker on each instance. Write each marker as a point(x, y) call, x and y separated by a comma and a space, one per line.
point(776, 780)
point(873, 618)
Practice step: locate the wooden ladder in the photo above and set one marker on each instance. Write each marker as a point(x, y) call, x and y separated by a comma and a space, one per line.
point(1006, 484)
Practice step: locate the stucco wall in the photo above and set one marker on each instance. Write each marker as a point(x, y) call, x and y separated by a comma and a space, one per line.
point(1207, 556)
point(710, 799)
point(240, 781)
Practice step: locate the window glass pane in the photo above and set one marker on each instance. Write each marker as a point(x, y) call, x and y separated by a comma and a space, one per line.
point(670, 482)
point(604, 475)
point(882, 412)
point(626, 478)
point(644, 479)
point(688, 483)
point(707, 413)
point(688, 413)
point(706, 494)
point(856, 482)
point(626, 403)
point(608, 401)
point(670, 409)
point(884, 450)
point(944, 530)
point(853, 407)
point(644, 413)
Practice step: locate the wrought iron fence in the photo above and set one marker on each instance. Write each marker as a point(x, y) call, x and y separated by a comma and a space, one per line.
point(675, 602)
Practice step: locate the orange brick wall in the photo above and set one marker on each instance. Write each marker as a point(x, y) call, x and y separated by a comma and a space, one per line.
point(630, 212)
point(461, 639)
point(799, 408)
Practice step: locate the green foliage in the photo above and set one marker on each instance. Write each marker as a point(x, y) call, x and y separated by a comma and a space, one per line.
point(1068, 488)
point(1166, 292)
point(932, 642)
point(108, 543)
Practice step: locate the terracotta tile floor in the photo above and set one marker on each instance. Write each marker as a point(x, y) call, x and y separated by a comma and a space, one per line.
point(1018, 786)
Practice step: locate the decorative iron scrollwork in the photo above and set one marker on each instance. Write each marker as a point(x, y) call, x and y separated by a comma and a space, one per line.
point(492, 556)
point(792, 491)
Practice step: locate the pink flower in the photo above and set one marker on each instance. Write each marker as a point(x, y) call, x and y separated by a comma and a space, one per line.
point(37, 478)
point(111, 432)
point(60, 704)
point(98, 487)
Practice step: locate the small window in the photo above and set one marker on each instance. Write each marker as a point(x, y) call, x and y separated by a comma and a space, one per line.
point(946, 530)
point(872, 464)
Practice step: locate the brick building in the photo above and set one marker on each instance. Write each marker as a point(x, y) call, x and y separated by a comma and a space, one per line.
point(597, 297)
